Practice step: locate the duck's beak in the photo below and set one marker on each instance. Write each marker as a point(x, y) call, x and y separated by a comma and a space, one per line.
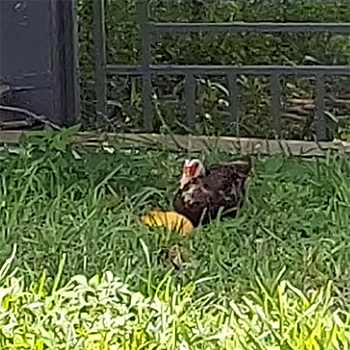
point(184, 180)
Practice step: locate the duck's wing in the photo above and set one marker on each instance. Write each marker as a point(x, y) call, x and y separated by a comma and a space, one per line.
point(226, 183)
point(222, 188)
point(241, 168)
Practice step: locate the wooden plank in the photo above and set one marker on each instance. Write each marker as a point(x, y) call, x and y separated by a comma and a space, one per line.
point(11, 137)
point(195, 143)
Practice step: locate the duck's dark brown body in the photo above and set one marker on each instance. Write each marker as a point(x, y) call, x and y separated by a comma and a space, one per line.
point(222, 189)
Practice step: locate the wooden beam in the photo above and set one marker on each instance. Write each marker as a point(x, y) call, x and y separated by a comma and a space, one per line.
point(195, 143)
point(10, 137)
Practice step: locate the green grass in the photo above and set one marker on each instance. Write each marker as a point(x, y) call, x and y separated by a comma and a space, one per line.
point(104, 313)
point(276, 277)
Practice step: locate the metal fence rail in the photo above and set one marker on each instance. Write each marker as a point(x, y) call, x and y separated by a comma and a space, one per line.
point(149, 32)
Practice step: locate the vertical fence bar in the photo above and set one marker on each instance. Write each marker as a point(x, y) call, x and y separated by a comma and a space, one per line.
point(276, 104)
point(74, 96)
point(233, 94)
point(190, 99)
point(145, 63)
point(99, 33)
point(319, 117)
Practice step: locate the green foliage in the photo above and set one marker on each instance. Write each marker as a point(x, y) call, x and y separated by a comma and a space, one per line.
point(86, 274)
point(56, 198)
point(254, 111)
point(104, 313)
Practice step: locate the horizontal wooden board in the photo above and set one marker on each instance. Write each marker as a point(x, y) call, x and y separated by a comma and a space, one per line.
point(196, 143)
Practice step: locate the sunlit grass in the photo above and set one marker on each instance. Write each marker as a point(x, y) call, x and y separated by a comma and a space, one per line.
point(260, 281)
point(104, 313)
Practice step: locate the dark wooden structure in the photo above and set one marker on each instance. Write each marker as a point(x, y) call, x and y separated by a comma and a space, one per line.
point(38, 64)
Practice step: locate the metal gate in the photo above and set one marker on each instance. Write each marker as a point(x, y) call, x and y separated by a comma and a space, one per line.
point(146, 69)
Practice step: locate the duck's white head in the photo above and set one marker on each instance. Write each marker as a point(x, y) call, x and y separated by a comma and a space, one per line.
point(192, 169)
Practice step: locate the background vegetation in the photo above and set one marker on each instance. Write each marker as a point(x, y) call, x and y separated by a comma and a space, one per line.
point(261, 281)
point(123, 47)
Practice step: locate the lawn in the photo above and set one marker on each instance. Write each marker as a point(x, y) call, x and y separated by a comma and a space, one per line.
point(80, 271)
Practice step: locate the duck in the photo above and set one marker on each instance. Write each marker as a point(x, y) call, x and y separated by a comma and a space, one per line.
point(206, 193)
